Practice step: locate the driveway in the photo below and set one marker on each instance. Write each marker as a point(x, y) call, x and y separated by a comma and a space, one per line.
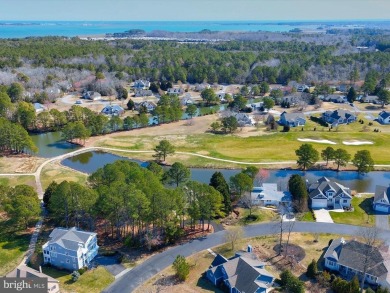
point(111, 263)
point(156, 263)
point(322, 216)
point(382, 221)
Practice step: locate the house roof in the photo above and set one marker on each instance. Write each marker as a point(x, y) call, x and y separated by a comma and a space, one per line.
point(382, 192)
point(340, 113)
point(269, 191)
point(24, 271)
point(245, 272)
point(352, 254)
point(292, 117)
point(218, 260)
point(112, 109)
point(69, 239)
point(319, 189)
point(384, 114)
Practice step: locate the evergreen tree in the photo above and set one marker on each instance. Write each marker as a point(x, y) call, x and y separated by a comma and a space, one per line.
point(181, 267)
point(219, 183)
point(297, 188)
point(312, 270)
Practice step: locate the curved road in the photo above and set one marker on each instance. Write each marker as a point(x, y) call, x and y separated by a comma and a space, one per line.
point(155, 264)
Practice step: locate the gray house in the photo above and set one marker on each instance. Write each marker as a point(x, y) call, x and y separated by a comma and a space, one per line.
point(292, 119)
point(348, 258)
point(339, 116)
point(370, 99)
point(175, 91)
point(141, 84)
point(241, 273)
point(381, 201)
point(329, 194)
point(114, 110)
point(142, 93)
point(384, 117)
point(335, 99)
point(268, 194)
point(70, 249)
point(90, 95)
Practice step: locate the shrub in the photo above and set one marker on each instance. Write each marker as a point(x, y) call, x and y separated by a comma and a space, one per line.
point(312, 270)
point(291, 283)
point(82, 270)
point(181, 267)
point(75, 276)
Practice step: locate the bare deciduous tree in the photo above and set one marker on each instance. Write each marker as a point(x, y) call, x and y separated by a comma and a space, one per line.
point(233, 235)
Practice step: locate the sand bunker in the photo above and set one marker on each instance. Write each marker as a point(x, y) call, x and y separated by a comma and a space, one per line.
point(357, 142)
point(317, 140)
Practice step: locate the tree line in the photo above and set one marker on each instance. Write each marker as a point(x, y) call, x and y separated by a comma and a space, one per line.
point(308, 156)
point(138, 205)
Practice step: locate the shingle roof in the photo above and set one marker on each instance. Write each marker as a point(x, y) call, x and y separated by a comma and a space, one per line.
point(382, 192)
point(384, 114)
point(24, 271)
point(69, 239)
point(324, 184)
point(340, 113)
point(292, 117)
point(352, 254)
point(245, 273)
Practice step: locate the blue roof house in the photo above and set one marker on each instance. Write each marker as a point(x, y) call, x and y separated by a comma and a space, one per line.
point(70, 249)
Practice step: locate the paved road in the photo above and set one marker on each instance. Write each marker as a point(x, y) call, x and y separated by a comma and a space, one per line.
point(155, 264)
point(382, 221)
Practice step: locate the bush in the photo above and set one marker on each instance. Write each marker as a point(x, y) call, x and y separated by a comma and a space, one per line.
point(82, 270)
point(312, 270)
point(291, 283)
point(324, 279)
point(181, 267)
point(75, 276)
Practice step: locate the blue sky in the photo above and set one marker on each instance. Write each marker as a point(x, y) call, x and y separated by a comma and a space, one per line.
point(194, 9)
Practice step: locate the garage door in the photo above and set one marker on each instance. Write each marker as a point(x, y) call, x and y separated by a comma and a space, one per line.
point(319, 203)
point(381, 208)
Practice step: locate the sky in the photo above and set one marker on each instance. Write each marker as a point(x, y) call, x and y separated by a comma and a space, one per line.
point(137, 10)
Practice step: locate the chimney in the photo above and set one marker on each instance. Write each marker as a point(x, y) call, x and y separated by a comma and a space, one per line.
point(249, 248)
point(40, 269)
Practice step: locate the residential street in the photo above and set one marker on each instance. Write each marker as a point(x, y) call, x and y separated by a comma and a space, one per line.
point(155, 264)
point(382, 221)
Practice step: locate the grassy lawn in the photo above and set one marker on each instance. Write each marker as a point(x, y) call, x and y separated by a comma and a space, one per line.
point(362, 215)
point(56, 172)
point(258, 215)
point(91, 281)
point(306, 217)
point(17, 180)
point(261, 148)
point(263, 247)
point(13, 245)
point(167, 282)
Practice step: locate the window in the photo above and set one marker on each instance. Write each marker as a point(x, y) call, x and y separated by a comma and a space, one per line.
point(66, 253)
point(67, 261)
point(54, 254)
point(331, 263)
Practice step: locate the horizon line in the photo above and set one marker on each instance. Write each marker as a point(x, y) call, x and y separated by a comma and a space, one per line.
point(211, 20)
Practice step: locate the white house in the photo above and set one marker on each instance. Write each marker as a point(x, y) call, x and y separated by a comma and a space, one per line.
point(329, 194)
point(39, 107)
point(268, 194)
point(381, 201)
point(175, 91)
point(70, 249)
point(384, 117)
point(94, 96)
point(349, 257)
